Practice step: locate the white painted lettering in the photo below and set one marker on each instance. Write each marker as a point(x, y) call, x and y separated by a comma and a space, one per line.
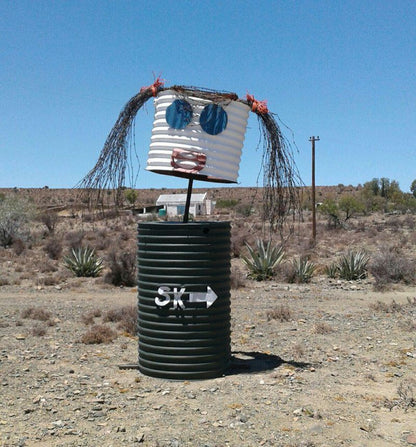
point(163, 291)
point(177, 298)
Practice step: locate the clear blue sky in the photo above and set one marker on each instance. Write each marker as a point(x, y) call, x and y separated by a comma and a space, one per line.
point(343, 70)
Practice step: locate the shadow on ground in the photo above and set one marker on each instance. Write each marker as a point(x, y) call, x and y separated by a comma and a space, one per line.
point(256, 362)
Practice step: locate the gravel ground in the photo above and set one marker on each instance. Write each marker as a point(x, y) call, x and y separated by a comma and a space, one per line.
point(340, 369)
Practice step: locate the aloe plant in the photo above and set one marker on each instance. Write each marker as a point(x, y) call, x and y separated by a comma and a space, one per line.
point(302, 270)
point(332, 270)
point(83, 262)
point(262, 259)
point(353, 265)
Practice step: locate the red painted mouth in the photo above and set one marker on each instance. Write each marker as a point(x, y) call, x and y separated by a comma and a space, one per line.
point(188, 161)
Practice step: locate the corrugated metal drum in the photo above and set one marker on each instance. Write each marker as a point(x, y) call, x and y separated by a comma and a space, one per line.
point(184, 299)
point(197, 138)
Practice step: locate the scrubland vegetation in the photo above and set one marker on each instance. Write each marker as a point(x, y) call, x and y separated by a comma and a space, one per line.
point(49, 237)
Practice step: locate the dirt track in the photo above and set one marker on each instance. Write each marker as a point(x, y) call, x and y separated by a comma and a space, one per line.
point(340, 371)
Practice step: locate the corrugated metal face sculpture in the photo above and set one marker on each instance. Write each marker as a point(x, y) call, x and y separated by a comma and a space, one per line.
point(199, 134)
point(196, 137)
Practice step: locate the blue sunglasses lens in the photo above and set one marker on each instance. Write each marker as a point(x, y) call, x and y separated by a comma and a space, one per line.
point(179, 114)
point(213, 119)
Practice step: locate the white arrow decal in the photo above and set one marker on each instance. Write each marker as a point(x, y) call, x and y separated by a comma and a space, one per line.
point(208, 297)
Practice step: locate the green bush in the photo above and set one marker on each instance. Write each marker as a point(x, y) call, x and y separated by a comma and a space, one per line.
point(226, 203)
point(131, 196)
point(263, 259)
point(83, 262)
point(353, 265)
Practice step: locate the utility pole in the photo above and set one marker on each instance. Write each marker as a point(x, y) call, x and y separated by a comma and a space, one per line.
point(313, 139)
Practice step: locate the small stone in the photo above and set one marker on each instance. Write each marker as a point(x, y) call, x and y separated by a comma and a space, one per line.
point(37, 399)
point(411, 439)
point(99, 414)
point(20, 337)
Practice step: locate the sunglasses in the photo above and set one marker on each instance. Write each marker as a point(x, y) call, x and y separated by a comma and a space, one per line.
point(213, 118)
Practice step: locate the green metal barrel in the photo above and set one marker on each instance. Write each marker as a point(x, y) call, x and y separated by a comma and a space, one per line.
point(184, 299)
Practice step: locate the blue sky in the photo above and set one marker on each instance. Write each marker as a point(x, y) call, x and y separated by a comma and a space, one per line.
point(343, 70)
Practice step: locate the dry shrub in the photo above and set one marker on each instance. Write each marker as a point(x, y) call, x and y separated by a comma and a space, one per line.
point(392, 266)
point(281, 313)
point(409, 221)
point(408, 325)
point(102, 240)
point(237, 278)
point(239, 236)
point(47, 267)
point(38, 330)
point(125, 316)
point(394, 222)
point(124, 235)
point(123, 267)
point(88, 318)
point(298, 351)
point(393, 307)
point(322, 328)
point(36, 313)
point(18, 246)
point(74, 239)
point(406, 395)
point(4, 281)
point(53, 248)
point(406, 398)
point(99, 333)
point(50, 281)
point(50, 220)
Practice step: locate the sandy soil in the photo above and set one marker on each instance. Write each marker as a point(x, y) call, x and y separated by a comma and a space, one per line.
point(339, 370)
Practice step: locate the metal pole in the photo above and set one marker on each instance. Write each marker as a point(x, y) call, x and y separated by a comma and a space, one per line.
point(313, 139)
point(188, 201)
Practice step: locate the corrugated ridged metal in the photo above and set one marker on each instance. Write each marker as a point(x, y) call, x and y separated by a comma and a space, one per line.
point(191, 342)
point(222, 151)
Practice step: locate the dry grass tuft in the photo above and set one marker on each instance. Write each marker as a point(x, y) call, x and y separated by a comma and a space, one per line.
point(322, 328)
point(38, 330)
point(99, 333)
point(392, 266)
point(393, 307)
point(36, 313)
point(88, 318)
point(281, 313)
point(125, 316)
point(237, 278)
